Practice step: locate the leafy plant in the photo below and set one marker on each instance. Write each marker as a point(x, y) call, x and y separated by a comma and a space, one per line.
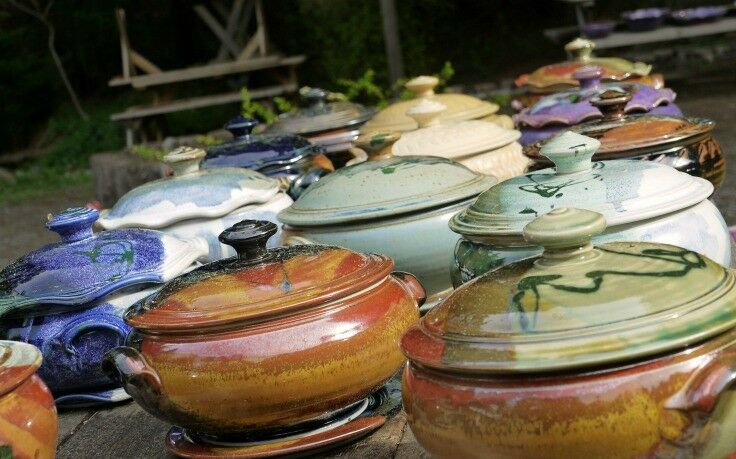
point(148, 152)
point(208, 140)
point(253, 109)
point(364, 90)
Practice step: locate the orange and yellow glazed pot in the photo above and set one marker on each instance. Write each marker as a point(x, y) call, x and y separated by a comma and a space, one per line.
point(682, 405)
point(620, 350)
point(28, 425)
point(268, 340)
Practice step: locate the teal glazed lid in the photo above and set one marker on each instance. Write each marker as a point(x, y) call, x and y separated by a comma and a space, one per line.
point(385, 188)
point(624, 191)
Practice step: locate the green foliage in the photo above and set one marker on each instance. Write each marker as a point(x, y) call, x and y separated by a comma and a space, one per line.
point(283, 105)
point(208, 140)
point(364, 90)
point(253, 109)
point(148, 152)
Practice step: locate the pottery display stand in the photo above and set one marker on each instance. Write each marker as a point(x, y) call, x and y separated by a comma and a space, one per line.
point(238, 55)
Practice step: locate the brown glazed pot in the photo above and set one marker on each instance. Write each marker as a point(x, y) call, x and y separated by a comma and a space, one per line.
point(268, 340)
point(28, 424)
point(622, 350)
point(684, 143)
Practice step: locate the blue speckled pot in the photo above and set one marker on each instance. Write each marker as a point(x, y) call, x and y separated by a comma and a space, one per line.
point(85, 267)
point(272, 155)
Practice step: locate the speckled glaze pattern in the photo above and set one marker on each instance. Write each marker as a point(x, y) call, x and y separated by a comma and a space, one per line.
point(28, 423)
point(84, 267)
point(681, 405)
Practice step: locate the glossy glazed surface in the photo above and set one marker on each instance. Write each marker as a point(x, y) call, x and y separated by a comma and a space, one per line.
point(421, 244)
point(84, 267)
point(675, 406)
point(28, 425)
point(189, 193)
point(385, 188)
point(277, 373)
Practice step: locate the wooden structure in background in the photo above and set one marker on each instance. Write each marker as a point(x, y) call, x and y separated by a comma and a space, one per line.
point(240, 53)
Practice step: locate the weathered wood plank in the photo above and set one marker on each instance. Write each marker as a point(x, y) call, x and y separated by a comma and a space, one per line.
point(133, 113)
point(70, 420)
point(408, 448)
point(217, 29)
point(121, 431)
point(214, 70)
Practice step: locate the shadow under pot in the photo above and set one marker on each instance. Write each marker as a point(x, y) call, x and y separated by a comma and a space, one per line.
point(397, 206)
point(269, 341)
point(642, 201)
point(624, 349)
point(28, 422)
point(685, 143)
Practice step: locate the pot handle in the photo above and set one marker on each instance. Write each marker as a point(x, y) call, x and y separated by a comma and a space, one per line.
point(701, 393)
point(83, 325)
point(413, 285)
point(129, 368)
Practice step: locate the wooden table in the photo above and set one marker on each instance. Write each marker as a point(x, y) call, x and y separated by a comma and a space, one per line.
point(127, 431)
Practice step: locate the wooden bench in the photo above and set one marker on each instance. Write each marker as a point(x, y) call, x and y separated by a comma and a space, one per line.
point(238, 55)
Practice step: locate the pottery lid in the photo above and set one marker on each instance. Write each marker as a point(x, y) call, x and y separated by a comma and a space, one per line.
point(623, 191)
point(320, 115)
point(459, 107)
point(263, 153)
point(580, 55)
point(384, 188)
point(190, 193)
point(84, 266)
point(456, 140)
point(576, 305)
point(18, 361)
point(574, 106)
point(258, 284)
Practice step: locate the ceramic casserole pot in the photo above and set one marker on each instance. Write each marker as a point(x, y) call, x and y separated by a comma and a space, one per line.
point(625, 350)
point(287, 156)
point(684, 143)
point(397, 206)
point(642, 201)
point(483, 147)
point(28, 425)
point(269, 339)
point(198, 202)
point(67, 298)
point(555, 112)
point(559, 77)
point(458, 107)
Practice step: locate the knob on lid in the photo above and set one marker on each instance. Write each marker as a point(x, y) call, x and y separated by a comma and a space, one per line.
point(73, 224)
point(571, 152)
point(184, 159)
point(249, 238)
point(241, 126)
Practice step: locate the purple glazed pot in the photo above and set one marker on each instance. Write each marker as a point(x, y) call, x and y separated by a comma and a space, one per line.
point(557, 111)
point(644, 19)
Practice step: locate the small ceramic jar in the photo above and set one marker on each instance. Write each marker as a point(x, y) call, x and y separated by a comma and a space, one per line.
point(642, 201)
point(624, 350)
point(459, 107)
point(332, 125)
point(271, 339)
point(28, 424)
point(287, 156)
point(198, 202)
point(397, 206)
point(684, 143)
point(559, 77)
point(554, 113)
point(67, 298)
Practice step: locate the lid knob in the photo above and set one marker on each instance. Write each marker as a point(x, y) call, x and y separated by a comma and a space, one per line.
point(612, 103)
point(241, 126)
point(249, 238)
point(580, 49)
point(588, 76)
point(377, 143)
point(571, 152)
point(422, 86)
point(565, 232)
point(426, 113)
point(73, 224)
point(184, 160)
point(315, 97)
